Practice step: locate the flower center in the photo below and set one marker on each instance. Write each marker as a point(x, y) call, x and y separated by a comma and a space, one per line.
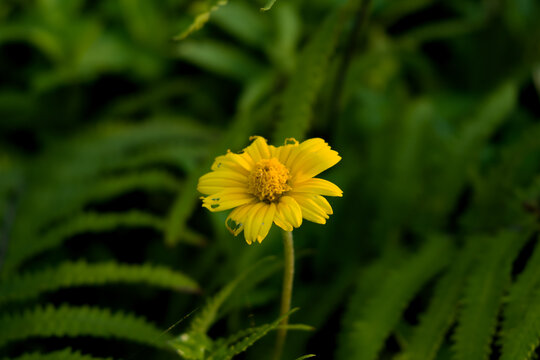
point(268, 180)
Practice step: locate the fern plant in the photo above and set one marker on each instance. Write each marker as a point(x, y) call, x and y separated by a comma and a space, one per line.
point(52, 208)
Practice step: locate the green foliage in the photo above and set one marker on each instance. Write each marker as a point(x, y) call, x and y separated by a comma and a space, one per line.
point(365, 334)
point(428, 336)
point(30, 285)
point(107, 123)
point(483, 295)
point(197, 345)
point(520, 332)
point(79, 321)
point(302, 90)
point(66, 354)
point(202, 17)
point(239, 342)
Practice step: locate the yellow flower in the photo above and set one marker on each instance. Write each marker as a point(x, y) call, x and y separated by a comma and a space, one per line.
point(266, 184)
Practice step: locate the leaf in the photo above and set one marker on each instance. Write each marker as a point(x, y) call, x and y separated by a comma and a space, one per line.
point(466, 146)
point(306, 356)
point(65, 354)
point(268, 5)
point(202, 18)
point(428, 335)
point(370, 323)
point(72, 321)
point(70, 274)
point(194, 343)
point(520, 334)
point(311, 70)
point(483, 295)
point(220, 58)
point(207, 315)
point(83, 223)
point(242, 340)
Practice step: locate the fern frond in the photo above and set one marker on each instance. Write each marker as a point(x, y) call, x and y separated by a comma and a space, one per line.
point(65, 354)
point(72, 321)
point(489, 115)
point(268, 5)
point(303, 88)
point(242, 340)
point(364, 335)
point(148, 180)
point(306, 356)
point(483, 295)
point(496, 190)
point(202, 18)
point(194, 343)
point(84, 223)
point(438, 318)
point(207, 315)
point(522, 341)
point(220, 58)
point(29, 285)
point(520, 334)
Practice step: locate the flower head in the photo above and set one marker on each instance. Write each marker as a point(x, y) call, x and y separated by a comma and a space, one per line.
point(267, 184)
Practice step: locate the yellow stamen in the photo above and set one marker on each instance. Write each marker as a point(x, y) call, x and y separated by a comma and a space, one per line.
point(268, 180)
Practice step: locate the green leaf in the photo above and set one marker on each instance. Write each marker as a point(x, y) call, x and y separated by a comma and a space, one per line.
point(83, 223)
point(194, 343)
point(484, 294)
point(65, 354)
point(520, 334)
point(311, 71)
point(201, 18)
point(33, 284)
point(220, 58)
point(241, 341)
point(79, 321)
point(306, 356)
point(436, 321)
point(268, 5)
point(370, 323)
point(207, 315)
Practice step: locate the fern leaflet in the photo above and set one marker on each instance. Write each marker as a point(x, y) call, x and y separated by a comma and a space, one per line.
point(65, 354)
point(521, 330)
point(301, 92)
point(437, 320)
point(83, 223)
point(79, 321)
point(268, 5)
point(239, 342)
point(483, 295)
point(201, 19)
point(69, 274)
point(365, 334)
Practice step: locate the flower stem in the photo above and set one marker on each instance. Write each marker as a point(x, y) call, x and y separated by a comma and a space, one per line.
point(286, 293)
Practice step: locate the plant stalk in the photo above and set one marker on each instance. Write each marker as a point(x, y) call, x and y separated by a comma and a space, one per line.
point(286, 293)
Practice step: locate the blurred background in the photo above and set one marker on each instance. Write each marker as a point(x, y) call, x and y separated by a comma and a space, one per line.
point(111, 110)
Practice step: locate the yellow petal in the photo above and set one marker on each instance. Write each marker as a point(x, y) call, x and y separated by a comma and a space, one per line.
point(306, 147)
point(258, 149)
point(221, 180)
point(266, 224)
point(225, 200)
point(317, 186)
point(237, 218)
point(313, 209)
point(290, 213)
point(241, 163)
point(310, 158)
point(281, 222)
point(252, 220)
point(323, 204)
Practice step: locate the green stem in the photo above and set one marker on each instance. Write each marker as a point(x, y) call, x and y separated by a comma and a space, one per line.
point(286, 294)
